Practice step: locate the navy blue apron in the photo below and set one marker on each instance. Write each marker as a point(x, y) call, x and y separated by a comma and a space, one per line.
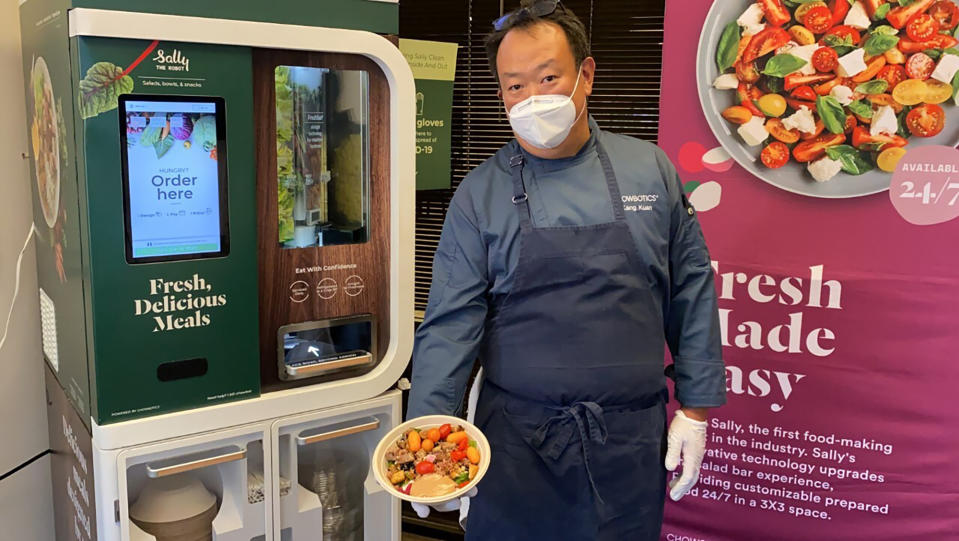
point(573, 403)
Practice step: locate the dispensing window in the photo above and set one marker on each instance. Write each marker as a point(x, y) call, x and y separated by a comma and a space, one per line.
point(322, 347)
point(322, 156)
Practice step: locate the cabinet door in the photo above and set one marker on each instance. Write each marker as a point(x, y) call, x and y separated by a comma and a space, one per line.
point(326, 456)
point(167, 488)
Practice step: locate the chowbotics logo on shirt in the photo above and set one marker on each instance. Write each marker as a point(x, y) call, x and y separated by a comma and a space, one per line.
point(179, 304)
point(639, 202)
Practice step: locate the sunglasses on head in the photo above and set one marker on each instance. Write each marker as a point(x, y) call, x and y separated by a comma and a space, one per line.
point(541, 8)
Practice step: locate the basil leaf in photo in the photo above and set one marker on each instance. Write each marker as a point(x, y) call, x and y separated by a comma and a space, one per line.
point(782, 65)
point(885, 29)
point(901, 119)
point(934, 54)
point(852, 160)
point(842, 45)
point(831, 113)
point(774, 85)
point(955, 87)
point(951, 50)
point(861, 108)
point(728, 47)
point(882, 12)
point(876, 86)
point(880, 43)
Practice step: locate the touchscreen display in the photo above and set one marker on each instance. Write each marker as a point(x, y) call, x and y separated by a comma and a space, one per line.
point(174, 184)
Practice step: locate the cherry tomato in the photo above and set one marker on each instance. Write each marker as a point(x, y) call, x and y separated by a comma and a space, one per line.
point(825, 88)
point(851, 123)
point(872, 6)
point(825, 59)
point(839, 10)
point(765, 42)
point(920, 66)
point(775, 155)
point(814, 149)
point(818, 19)
point(794, 80)
point(799, 104)
point(945, 13)
point(746, 96)
point(926, 120)
point(922, 27)
point(775, 12)
point(939, 41)
point(804, 92)
point(898, 17)
point(861, 137)
point(775, 128)
point(872, 68)
point(457, 455)
point(892, 74)
point(820, 127)
point(425, 467)
point(886, 99)
point(747, 72)
point(842, 31)
point(463, 444)
point(445, 431)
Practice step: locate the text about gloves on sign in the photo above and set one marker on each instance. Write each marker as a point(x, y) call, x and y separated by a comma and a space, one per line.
point(790, 471)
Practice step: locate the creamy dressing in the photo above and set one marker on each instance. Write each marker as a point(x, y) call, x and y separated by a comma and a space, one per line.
point(432, 485)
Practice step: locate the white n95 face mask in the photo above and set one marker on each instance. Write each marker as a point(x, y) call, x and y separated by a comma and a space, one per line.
point(545, 121)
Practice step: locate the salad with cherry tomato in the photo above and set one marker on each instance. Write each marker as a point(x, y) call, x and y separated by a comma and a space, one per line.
point(839, 85)
point(431, 462)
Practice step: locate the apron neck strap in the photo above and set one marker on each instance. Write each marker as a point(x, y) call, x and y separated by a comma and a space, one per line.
point(521, 199)
point(611, 184)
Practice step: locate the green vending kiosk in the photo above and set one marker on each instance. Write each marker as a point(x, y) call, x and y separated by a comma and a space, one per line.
point(223, 197)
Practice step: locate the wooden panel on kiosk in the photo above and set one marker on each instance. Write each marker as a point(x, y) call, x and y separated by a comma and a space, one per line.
point(289, 277)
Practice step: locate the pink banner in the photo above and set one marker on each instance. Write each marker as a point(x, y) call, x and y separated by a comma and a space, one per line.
point(839, 303)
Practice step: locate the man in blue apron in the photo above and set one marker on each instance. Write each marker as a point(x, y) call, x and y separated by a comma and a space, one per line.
point(568, 261)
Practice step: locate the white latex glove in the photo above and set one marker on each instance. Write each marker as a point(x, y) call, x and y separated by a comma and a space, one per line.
point(687, 438)
point(462, 503)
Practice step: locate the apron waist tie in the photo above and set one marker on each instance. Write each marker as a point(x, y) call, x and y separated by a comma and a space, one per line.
point(552, 437)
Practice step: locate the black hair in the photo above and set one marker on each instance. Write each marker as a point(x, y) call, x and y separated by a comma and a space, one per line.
point(524, 19)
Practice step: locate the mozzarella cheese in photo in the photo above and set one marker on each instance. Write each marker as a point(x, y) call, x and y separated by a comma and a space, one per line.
point(884, 122)
point(947, 68)
point(787, 47)
point(805, 52)
point(751, 20)
point(824, 169)
point(727, 81)
point(801, 120)
point(843, 94)
point(857, 17)
point(754, 132)
point(852, 64)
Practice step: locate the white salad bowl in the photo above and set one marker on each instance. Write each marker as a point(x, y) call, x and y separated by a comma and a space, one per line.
point(379, 466)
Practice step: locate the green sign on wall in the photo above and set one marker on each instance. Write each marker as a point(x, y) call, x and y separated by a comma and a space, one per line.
point(434, 68)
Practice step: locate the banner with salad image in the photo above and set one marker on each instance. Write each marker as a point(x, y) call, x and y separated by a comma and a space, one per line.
point(818, 144)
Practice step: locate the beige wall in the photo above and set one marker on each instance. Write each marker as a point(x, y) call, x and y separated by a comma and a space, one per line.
point(25, 498)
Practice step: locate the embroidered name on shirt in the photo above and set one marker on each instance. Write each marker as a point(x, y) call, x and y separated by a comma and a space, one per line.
point(639, 202)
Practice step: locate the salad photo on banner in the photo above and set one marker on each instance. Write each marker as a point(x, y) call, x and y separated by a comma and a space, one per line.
point(818, 142)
